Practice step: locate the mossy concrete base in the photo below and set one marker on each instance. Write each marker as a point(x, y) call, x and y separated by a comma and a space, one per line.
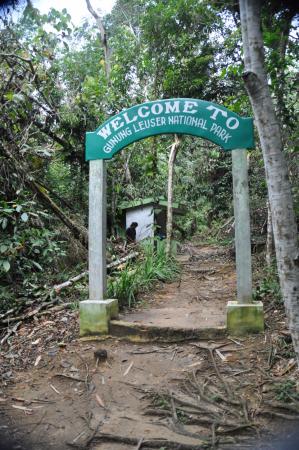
point(245, 318)
point(112, 307)
point(95, 316)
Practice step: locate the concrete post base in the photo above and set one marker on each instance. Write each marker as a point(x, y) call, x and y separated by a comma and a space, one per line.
point(244, 318)
point(95, 316)
point(112, 307)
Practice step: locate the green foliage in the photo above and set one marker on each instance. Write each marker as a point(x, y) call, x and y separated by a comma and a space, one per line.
point(27, 247)
point(286, 391)
point(268, 286)
point(136, 278)
point(285, 347)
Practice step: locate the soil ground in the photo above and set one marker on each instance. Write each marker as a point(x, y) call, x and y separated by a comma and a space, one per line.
point(198, 300)
point(225, 393)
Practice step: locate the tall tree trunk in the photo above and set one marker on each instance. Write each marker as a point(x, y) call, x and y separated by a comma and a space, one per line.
point(279, 189)
point(269, 242)
point(172, 158)
point(104, 39)
point(113, 206)
point(126, 156)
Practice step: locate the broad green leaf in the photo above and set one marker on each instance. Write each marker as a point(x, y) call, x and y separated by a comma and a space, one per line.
point(4, 223)
point(6, 266)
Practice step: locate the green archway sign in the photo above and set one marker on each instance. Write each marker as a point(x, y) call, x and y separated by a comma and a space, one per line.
point(170, 116)
point(181, 115)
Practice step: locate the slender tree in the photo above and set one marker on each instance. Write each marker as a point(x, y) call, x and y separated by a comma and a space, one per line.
point(280, 196)
point(172, 158)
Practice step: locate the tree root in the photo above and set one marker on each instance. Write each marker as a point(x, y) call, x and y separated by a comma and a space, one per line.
point(146, 443)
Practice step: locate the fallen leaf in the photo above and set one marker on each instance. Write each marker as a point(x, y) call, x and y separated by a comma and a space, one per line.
point(100, 401)
point(221, 356)
point(54, 389)
point(37, 360)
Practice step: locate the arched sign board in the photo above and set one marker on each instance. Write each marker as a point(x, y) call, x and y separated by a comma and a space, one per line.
point(181, 115)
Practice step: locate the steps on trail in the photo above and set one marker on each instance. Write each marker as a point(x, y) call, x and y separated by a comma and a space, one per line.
point(149, 333)
point(192, 308)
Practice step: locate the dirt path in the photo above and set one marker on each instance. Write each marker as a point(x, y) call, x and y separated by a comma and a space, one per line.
point(198, 299)
point(192, 395)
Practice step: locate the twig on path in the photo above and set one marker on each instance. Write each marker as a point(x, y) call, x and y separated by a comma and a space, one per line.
point(10, 332)
point(128, 369)
point(245, 410)
point(78, 437)
point(213, 432)
point(54, 389)
point(145, 352)
point(174, 413)
point(209, 399)
point(139, 445)
point(28, 402)
point(241, 372)
point(71, 377)
point(236, 342)
point(8, 312)
point(226, 386)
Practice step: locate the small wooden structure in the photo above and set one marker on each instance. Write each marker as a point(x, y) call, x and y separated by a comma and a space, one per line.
point(150, 214)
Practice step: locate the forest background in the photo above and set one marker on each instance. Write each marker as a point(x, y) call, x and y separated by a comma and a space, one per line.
point(54, 88)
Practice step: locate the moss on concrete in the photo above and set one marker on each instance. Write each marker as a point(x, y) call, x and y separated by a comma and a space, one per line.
point(244, 319)
point(112, 305)
point(94, 318)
